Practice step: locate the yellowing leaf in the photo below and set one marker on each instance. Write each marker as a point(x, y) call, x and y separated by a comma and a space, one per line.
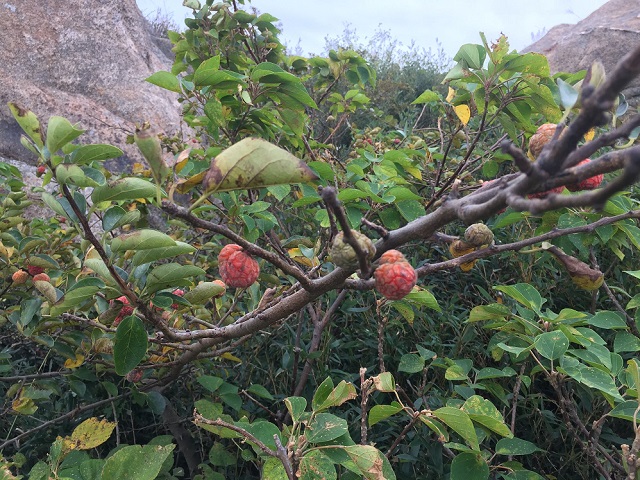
point(451, 94)
point(298, 257)
point(414, 172)
point(590, 134)
point(24, 406)
point(74, 362)
point(89, 434)
point(185, 185)
point(463, 112)
point(229, 356)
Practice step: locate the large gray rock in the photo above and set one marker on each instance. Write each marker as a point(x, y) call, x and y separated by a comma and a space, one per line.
point(85, 60)
point(606, 35)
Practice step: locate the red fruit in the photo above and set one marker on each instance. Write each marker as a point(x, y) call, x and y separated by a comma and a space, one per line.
point(589, 183)
point(33, 270)
point(135, 375)
point(395, 280)
point(19, 277)
point(544, 194)
point(543, 135)
point(41, 171)
point(391, 256)
point(237, 268)
point(180, 293)
point(125, 311)
point(41, 277)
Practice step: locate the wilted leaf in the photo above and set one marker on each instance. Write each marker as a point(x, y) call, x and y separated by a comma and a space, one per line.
point(90, 434)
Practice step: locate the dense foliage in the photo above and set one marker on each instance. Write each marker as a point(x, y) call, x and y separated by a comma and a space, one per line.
point(123, 355)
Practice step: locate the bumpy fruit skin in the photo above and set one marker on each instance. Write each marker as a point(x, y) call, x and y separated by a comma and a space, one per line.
point(344, 256)
point(391, 256)
point(587, 184)
point(543, 135)
point(237, 268)
point(41, 277)
point(395, 280)
point(34, 270)
point(478, 234)
point(125, 311)
point(19, 277)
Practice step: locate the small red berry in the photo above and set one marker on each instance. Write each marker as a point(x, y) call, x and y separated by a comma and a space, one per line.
point(19, 277)
point(587, 184)
point(395, 280)
point(40, 171)
point(180, 293)
point(237, 268)
point(41, 277)
point(34, 270)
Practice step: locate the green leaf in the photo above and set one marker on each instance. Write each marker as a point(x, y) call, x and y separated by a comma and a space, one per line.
point(423, 298)
point(203, 292)
point(117, 217)
point(460, 423)
point(626, 342)
point(29, 123)
point(525, 294)
point(379, 413)
point(325, 427)
point(59, 133)
point(384, 382)
point(93, 153)
point(135, 462)
point(295, 406)
point(70, 174)
point(428, 96)
point(154, 254)
point(343, 392)
point(469, 466)
point(171, 275)
point(411, 363)
point(626, 410)
point(471, 56)
point(129, 188)
point(607, 320)
point(220, 457)
point(81, 291)
point(130, 344)
point(534, 63)
point(371, 463)
point(206, 71)
point(209, 382)
point(166, 80)
point(315, 465)
point(568, 94)
point(552, 345)
point(494, 311)
point(263, 431)
point(273, 469)
point(593, 378)
point(485, 413)
point(516, 446)
point(254, 163)
point(141, 240)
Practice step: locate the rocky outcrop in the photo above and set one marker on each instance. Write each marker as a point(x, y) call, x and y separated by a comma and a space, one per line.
point(606, 35)
point(85, 60)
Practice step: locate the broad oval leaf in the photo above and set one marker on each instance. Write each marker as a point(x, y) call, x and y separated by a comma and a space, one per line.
point(135, 462)
point(170, 275)
point(459, 422)
point(325, 427)
point(130, 344)
point(117, 217)
point(203, 292)
point(129, 188)
point(469, 466)
point(516, 446)
point(91, 433)
point(141, 240)
point(94, 153)
point(552, 345)
point(153, 254)
point(255, 163)
point(166, 80)
point(60, 131)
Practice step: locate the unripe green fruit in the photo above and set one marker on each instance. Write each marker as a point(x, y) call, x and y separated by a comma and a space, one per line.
point(344, 256)
point(478, 234)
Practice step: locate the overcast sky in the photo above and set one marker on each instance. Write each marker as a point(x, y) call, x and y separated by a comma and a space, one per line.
point(451, 22)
